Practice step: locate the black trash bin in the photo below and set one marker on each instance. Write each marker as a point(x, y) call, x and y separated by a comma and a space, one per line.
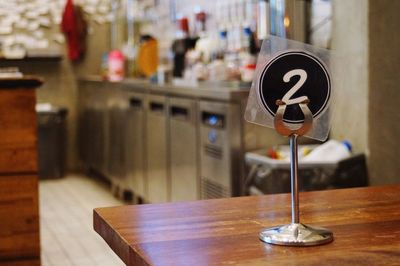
point(52, 140)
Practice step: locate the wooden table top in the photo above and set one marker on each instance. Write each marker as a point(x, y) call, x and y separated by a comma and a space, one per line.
point(365, 223)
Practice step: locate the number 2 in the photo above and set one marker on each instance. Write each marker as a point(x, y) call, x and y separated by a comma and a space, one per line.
point(286, 78)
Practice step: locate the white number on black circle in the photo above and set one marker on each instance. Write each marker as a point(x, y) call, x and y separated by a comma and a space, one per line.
point(286, 78)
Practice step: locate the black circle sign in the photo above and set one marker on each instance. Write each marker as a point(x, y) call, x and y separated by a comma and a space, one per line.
point(291, 77)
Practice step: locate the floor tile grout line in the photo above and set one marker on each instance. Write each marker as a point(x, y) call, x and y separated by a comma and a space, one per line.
point(78, 243)
point(56, 240)
point(85, 194)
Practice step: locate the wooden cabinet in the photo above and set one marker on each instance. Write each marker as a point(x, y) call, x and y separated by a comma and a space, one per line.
point(19, 212)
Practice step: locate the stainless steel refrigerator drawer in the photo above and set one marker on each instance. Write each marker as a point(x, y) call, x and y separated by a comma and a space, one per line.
point(220, 149)
point(156, 147)
point(135, 144)
point(185, 183)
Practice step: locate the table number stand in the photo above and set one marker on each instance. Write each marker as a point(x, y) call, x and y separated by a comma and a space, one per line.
point(296, 233)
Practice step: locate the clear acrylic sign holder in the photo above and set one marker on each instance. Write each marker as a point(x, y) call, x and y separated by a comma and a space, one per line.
point(291, 93)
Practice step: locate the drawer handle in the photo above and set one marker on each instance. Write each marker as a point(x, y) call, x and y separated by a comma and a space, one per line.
point(135, 103)
point(179, 113)
point(156, 107)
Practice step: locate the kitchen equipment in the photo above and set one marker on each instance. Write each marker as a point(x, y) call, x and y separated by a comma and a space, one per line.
point(185, 184)
point(135, 144)
point(118, 109)
point(97, 98)
point(180, 47)
point(221, 162)
point(156, 146)
point(93, 126)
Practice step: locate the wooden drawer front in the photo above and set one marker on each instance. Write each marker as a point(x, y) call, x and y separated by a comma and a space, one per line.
point(19, 222)
point(18, 128)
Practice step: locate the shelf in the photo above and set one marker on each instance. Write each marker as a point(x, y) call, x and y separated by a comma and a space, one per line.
point(23, 82)
point(41, 58)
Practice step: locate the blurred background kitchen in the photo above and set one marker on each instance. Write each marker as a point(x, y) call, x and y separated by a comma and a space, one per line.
point(143, 102)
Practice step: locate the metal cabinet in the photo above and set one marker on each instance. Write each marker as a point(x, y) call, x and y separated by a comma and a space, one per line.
point(118, 109)
point(84, 128)
point(221, 162)
point(135, 144)
point(185, 184)
point(93, 127)
point(162, 147)
point(157, 149)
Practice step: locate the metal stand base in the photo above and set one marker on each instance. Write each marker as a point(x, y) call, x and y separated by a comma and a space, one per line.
point(296, 234)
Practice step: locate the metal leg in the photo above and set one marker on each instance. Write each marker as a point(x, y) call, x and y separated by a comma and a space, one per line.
point(295, 234)
point(294, 178)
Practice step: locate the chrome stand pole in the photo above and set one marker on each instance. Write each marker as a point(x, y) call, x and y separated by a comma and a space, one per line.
point(295, 234)
point(294, 179)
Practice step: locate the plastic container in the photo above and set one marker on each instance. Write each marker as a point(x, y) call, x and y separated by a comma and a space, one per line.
point(267, 175)
point(330, 151)
point(248, 72)
point(116, 69)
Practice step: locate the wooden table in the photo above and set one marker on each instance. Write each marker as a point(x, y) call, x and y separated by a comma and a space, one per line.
point(365, 222)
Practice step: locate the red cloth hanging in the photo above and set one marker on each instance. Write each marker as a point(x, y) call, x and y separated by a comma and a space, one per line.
point(74, 27)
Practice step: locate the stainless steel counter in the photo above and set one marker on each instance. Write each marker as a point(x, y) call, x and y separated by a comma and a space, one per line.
point(206, 91)
point(166, 142)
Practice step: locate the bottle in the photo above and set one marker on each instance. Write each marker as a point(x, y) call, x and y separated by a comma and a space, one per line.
point(330, 151)
point(104, 66)
point(246, 38)
point(116, 66)
point(223, 41)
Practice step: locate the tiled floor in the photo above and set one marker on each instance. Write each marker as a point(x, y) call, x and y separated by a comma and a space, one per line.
point(67, 235)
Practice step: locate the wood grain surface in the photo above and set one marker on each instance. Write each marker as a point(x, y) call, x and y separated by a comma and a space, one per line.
point(365, 223)
point(19, 213)
point(18, 131)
